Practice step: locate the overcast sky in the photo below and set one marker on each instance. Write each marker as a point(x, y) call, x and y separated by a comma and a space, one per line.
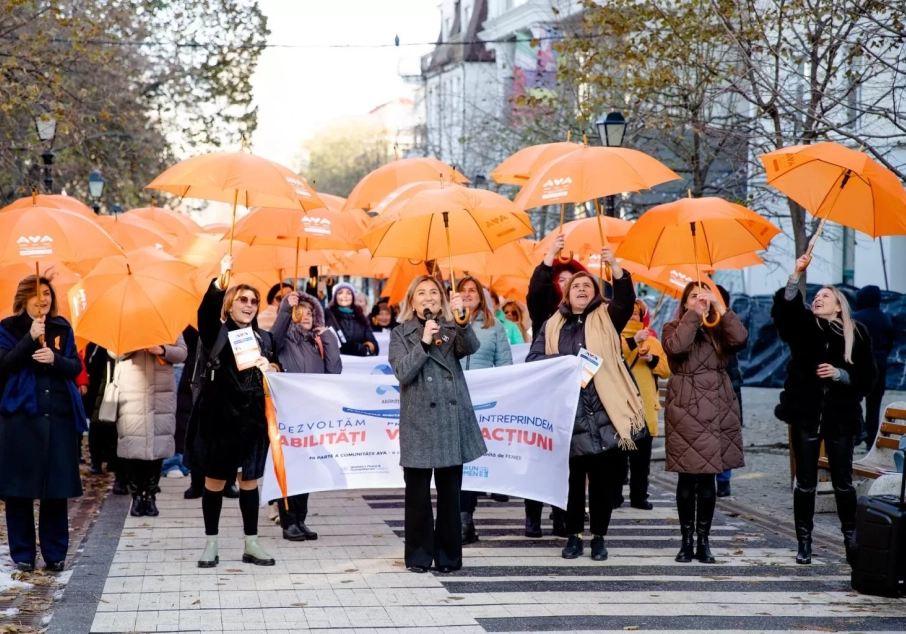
point(299, 90)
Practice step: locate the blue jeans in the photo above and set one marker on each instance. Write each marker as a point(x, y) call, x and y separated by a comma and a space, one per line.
point(725, 476)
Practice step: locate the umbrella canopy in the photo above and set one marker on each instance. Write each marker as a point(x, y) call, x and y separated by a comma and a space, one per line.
point(670, 280)
point(134, 232)
point(33, 234)
point(519, 168)
point(173, 221)
point(134, 301)
point(739, 262)
point(52, 201)
point(583, 237)
point(376, 185)
point(216, 228)
point(478, 220)
point(361, 264)
point(238, 178)
point(322, 228)
point(512, 260)
point(847, 186)
point(198, 248)
point(590, 173)
point(695, 230)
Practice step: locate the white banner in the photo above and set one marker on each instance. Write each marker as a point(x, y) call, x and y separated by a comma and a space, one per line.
point(340, 431)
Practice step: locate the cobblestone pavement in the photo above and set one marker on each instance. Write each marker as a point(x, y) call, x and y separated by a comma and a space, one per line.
point(353, 581)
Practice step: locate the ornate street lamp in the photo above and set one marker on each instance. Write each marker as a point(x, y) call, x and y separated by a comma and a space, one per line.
point(611, 129)
point(96, 184)
point(46, 126)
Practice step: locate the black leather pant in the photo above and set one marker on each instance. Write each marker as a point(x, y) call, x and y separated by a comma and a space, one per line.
point(806, 450)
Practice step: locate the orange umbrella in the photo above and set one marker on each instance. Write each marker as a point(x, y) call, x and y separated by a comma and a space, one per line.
point(174, 222)
point(583, 236)
point(134, 301)
point(237, 177)
point(52, 201)
point(739, 262)
point(670, 280)
point(510, 287)
point(400, 278)
point(512, 260)
point(33, 234)
point(216, 228)
point(361, 264)
point(198, 248)
point(273, 434)
point(827, 178)
point(700, 231)
point(321, 228)
point(134, 232)
point(519, 168)
point(375, 186)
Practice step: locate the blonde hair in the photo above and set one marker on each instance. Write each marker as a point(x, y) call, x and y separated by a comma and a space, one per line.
point(28, 288)
point(230, 297)
point(844, 324)
point(407, 311)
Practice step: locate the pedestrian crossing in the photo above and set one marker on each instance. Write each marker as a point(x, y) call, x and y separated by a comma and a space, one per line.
point(352, 580)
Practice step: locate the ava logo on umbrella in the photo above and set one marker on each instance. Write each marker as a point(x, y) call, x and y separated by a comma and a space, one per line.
point(679, 279)
point(298, 186)
point(35, 245)
point(79, 303)
point(312, 224)
point(556, 188)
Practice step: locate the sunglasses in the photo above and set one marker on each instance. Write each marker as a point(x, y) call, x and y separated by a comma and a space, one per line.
point(244, 299)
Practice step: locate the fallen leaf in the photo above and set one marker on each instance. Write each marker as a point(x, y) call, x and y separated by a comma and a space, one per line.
point(196, 602)
point(631, 627)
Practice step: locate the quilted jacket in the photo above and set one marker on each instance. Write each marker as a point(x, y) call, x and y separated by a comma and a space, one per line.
point(702, 419)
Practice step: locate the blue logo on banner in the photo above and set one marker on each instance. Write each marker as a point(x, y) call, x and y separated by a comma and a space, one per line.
point(385, 369)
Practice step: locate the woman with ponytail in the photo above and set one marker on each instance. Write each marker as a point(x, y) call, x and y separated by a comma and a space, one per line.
point(831, 370)
point(702, 420)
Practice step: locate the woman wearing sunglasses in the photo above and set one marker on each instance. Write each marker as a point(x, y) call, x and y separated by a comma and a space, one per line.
point(228, 429)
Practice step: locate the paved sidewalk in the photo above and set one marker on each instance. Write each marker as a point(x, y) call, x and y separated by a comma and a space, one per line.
point(352, 580)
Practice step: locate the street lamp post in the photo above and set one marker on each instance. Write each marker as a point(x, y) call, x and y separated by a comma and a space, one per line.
point(96, 184)
point(480, 182)
point(46, 126)
point(611, 129)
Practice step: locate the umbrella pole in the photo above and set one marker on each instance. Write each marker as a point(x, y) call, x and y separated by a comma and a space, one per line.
point(604, 267)
point(225, 278)
point(461, 319)
point(560, 255)
point(698, 275)
point(657, 307)
point(38, 296)
point(297, 313)
point(830, 208)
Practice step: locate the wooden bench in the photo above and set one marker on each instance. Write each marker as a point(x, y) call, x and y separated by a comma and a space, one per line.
point(893, 427)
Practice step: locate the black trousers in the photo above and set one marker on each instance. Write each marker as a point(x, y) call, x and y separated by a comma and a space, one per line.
point(601, 470)
point(533, 510)
point(839, 449)
point(298, 510)
point(142, 476)
point(53, 529)
point(102, 444)
point(637, 464)
point(428, 540)
point(468, 501)
point(873, 407)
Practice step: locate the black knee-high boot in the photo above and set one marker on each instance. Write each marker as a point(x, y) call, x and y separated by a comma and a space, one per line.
point(706, 500)
point(211, 505)
point(803, 518)
point(685, 506)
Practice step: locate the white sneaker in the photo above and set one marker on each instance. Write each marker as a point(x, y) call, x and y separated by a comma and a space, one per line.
point(175, 473)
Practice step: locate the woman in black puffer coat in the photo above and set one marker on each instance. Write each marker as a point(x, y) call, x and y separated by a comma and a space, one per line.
point(831, 370)
point(356, 337)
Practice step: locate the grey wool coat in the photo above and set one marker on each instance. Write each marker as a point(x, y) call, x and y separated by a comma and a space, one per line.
point(438, 427)
point(146, 407)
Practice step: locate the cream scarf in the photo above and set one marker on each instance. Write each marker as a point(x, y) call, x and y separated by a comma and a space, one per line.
point(613, 382)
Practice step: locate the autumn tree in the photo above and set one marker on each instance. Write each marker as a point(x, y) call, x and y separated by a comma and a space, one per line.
point(340, 155)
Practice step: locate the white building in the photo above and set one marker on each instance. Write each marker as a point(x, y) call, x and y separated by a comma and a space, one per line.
point(464, 86)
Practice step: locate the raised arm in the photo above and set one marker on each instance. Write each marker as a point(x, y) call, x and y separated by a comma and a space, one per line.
point(541, 293)
point(209, 315)
point(623, 303)
point(282, 323)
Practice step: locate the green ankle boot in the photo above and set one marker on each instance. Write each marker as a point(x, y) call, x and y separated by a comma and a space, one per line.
point(254, 554)
point(209, 558)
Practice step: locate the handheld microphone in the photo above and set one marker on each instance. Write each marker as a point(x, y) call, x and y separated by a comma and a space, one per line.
point(428, 317)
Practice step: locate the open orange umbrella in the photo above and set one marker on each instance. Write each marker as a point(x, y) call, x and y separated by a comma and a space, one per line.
point(670, 280)
point(735, 263)
point(174, 222)
point(830, 179)
point(134, 301)
point(512, 260)
point(216, 228)
point(34, 234)
point(378, 184)
point(519, 168)
point(584, 236)
point(52, 201)
point(134, 232)
point(699, 231)
point(361, 264)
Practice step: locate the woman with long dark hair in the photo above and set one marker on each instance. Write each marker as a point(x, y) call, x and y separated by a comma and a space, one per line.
point(41, 418)
point(354, 328)
point(493, 352)
point(831, 370)
point(703, 428)
point(438, 429)
point(228, 428)
point(610, 415)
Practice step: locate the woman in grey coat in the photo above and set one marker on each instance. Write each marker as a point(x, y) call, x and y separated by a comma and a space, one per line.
point(310, 348)
point(438, 429)
point(146, 419)
point(494, 352)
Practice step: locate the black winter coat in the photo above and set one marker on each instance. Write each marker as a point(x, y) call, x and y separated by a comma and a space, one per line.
point(184, 400)
point(38, 453)
point(593, 432)
point(543, 292)
point(830, 407)
point(355, 329)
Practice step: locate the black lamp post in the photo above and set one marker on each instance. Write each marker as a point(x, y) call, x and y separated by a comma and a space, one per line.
point(480, 182)
point(46, 126)
point(96, 184)
point(611, 129)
